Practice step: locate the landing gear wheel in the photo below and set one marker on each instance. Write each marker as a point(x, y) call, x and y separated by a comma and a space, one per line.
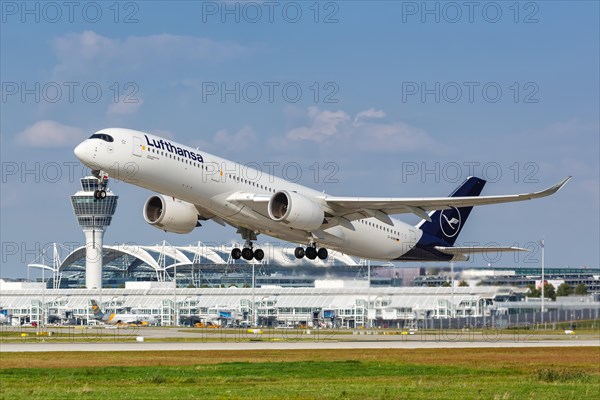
point(247, 253)
point(299, 252)
point(259, 254)
point(322, 253)
point(311, 253)
point(236, 253)
point(96, 194)
point(102, 194)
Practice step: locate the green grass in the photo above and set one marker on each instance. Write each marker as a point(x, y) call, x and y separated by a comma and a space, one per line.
point(329, 374)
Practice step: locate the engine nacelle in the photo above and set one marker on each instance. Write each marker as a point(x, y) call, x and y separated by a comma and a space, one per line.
point(296, 210)
point(169, 214)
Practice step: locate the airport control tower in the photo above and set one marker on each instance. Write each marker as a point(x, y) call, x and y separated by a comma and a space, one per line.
point(94, 206)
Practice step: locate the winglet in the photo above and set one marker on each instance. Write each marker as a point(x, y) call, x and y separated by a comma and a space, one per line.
point(562, 183)
point(552, 189)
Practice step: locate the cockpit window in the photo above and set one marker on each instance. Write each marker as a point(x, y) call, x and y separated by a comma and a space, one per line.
point(102, 136)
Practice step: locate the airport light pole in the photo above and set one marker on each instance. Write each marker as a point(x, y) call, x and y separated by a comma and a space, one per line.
point(254, 316)
point(452, 309)
point(543, 280)
point(41, 322)
point(176, 309)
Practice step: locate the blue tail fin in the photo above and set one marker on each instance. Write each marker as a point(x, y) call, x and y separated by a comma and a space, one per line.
point(446, 224)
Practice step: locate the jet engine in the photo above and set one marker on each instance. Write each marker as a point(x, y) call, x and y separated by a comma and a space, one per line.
point(170, 214)
point(296, 210)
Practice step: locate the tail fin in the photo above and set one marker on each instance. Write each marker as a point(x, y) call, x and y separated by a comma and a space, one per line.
point(98, 314)
point(445, 225)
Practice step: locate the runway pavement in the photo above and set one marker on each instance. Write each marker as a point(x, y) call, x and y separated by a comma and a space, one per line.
point(286, 345)
point(20, 339)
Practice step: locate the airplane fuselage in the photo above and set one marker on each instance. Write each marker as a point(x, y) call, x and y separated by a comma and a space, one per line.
point(210, 183)
point(125, 319)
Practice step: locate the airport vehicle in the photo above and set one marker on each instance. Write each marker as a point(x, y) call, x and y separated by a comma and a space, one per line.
point(195, 186)
point(126, 319)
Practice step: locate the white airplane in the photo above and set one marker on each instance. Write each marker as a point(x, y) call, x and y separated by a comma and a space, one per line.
point(194, 186)
point(114, 319)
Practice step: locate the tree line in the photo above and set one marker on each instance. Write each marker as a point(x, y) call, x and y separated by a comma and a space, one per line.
point(550, 292)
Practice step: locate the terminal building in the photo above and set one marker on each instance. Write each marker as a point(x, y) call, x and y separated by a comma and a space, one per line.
point(346, 305)
point(330, 304)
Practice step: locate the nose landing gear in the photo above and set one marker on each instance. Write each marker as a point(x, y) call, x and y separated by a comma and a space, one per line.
point(100, 193)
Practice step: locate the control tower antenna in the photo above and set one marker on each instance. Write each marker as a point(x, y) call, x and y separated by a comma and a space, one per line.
point(94, 205)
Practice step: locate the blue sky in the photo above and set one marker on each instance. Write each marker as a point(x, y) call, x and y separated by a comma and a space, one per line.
point(375, 98)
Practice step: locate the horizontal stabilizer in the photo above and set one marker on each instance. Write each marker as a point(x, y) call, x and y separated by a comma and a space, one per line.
point(476, 249)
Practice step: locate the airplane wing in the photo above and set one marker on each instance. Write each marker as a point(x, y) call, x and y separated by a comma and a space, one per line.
point(342, 210)
point(359, 207)
point(257, 202)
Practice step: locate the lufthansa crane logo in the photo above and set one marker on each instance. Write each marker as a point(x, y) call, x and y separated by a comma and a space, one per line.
point(450, 223)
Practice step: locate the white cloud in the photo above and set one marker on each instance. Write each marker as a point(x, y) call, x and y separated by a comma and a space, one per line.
point(323, 125)
point(48, 133)
point(80, 52)
point(365, 131)
point(370, 113)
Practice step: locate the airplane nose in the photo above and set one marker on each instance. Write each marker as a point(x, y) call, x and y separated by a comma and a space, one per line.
point(80, 152)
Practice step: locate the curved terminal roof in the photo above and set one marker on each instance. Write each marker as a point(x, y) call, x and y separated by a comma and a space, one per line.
point(163, 257)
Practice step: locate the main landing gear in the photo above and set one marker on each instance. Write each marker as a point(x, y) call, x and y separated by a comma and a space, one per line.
point(247, 253)
point(311, 252)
